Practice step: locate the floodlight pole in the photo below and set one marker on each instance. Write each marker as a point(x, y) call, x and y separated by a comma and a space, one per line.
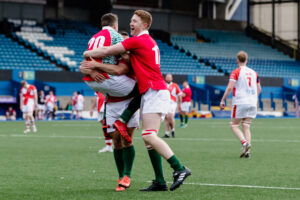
point(273, 23)
point(248, 13)
point(299, 27)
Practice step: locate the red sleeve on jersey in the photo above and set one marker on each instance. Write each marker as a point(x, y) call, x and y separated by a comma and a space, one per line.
point(178, 91)
point(257, 78)
point(131, 43)
point(235, 74)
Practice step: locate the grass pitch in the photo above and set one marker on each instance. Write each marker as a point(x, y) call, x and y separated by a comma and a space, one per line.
point(61, 162)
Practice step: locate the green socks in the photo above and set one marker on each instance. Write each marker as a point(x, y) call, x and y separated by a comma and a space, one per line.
point(157, 166)
point(175, 163)
point(126, 115)
point(118, 155)
point(181, 118)
point(186, 119)
point(128, 158)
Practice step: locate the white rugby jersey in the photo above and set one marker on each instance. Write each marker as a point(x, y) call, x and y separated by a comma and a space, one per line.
point(80, 99)
point(245, 89)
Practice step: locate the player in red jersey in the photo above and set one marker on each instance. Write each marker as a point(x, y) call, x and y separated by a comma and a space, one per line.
point(245, 84)
point(28, 103)
point(175, 102)
point(186, 104)
point(50, 101)
point(145, 60)
point(98, 102)
point(118, 87)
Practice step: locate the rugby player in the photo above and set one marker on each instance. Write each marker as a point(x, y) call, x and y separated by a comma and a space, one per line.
point(145, 61)
point(245, 84)
point(28, 103)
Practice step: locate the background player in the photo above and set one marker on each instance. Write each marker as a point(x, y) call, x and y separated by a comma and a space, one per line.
point(186, 104)
point(145, 60)
point(246, 87)
point(79, 105)
point(10, 114)
point(74, 102)
point(50, 102)
point(98, 102)
point(40, 114)
point(175, 102)
point(28, 103)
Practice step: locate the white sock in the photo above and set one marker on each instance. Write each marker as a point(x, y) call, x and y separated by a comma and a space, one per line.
point(167, 133)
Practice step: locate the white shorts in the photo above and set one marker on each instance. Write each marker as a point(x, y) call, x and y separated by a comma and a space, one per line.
point(101, 113)
point(243, 111)
point(156, 101)
point(41, 106)
point(185, 106)
point(172, 107)
point(114, 111)
point(50, 107)
point(79, 107)
point(29, 107)
point(116, 86)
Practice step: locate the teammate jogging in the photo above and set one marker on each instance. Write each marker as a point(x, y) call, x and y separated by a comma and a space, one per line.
point(245, 84)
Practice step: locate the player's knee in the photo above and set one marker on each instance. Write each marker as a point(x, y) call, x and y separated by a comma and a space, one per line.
point(234, 125)
point(148, 147)
point(148, 135)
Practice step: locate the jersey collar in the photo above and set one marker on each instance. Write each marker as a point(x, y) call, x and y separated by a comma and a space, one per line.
point(143, 32)
point(107, 27)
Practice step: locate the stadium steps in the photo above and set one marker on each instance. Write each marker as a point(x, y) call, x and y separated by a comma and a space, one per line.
point(21, 57)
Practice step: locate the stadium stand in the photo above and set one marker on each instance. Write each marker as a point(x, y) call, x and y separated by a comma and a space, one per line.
point(15, 56)
point(220, 47)
point(64, 42)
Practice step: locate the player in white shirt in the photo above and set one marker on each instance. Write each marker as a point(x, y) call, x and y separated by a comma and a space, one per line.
point(74, 102)
point(79, 105)
point(28, 103)
point(50, 104)
point(245, 84)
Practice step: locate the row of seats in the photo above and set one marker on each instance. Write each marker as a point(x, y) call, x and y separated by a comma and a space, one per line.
point(14, 56)
point(65, 41)
point(220, 48)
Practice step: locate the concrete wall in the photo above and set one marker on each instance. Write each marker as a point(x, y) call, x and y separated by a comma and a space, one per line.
point(166, 21)
point(22, 11)
point(286, 19)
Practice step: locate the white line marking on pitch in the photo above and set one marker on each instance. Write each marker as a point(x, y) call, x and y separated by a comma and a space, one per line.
point(182, 139)
point(241, 186)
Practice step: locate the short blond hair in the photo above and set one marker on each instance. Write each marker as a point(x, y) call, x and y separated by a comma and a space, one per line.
point(145, 16)
point(242, 56)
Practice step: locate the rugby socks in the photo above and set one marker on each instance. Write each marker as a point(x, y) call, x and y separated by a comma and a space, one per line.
point(128, 158)
point(243, 141)
point(175, 163)
point(186, 119)
point(27, 123)
point(181, 119)
point(118, 155)
point(157, 165)
point(108, 142)
point(167, 133)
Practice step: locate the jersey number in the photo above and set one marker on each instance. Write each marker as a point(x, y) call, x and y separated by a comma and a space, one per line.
point(156, 51)
point(249, 81)
point(97, 42)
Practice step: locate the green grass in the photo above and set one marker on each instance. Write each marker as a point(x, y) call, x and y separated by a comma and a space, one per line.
point(61, 162)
